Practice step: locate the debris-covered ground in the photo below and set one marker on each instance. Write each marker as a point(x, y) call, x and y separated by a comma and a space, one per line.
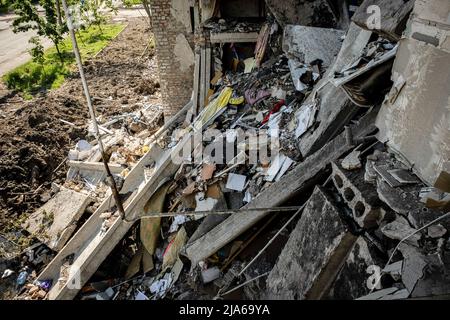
point(299, 178)
point(37, 135)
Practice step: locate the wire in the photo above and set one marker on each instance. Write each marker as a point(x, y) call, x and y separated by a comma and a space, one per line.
point(407, 237)
point(241, 285)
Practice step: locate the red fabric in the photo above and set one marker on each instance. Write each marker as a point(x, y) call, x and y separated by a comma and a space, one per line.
point(275, 109)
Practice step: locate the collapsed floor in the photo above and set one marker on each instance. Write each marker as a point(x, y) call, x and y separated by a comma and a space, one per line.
point(38, 134)
point(347, 209)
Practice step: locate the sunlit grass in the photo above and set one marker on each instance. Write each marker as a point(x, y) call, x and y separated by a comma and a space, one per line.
point(32, 77)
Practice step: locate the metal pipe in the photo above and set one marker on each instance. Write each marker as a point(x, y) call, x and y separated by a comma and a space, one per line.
point(76, 51)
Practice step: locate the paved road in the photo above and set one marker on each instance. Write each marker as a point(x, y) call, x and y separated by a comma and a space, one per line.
point(14, 46)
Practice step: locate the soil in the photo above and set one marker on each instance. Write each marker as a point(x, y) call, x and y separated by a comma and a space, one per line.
point(34, 140)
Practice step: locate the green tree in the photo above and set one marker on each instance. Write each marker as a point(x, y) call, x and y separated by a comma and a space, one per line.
point(37, 51)
point(95, 11)
point(46, 25)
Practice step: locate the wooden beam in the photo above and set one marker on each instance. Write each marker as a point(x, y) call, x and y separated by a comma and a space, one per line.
point(89, 246)
point(202, 77)
point(196, 85)
point(296, 181)
point(227, 37)
point(207, 73)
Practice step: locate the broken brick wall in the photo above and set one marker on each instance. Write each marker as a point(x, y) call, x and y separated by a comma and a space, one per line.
point(172, 26)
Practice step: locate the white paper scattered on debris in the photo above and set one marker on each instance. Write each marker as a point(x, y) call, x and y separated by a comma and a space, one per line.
point(278, 167)
point(83, 145)
point(159, 287)
point(204, 204)
point(305, 118)
point(297, 70)
point(247, 197)
point(286, 164)
point(236, 182)
point(140, 296)
point(249, 64)
point(177, 222)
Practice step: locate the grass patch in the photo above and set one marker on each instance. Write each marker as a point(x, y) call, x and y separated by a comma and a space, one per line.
point(129, 3)
point(32, 77)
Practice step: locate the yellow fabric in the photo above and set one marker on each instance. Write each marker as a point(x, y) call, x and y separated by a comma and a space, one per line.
point(213, 108)
point(236, 101)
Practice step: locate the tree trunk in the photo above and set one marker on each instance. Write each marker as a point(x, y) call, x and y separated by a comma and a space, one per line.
point(59, 53)
point(146, 5)
point(58, 13)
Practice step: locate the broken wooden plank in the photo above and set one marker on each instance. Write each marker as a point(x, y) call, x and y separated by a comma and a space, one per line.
point(233, 37)
point(202, 78)
point(291, 184)
point(207, 73)
point(196, 93)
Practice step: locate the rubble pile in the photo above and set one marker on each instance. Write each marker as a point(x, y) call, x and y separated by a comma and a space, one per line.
point(281, 181)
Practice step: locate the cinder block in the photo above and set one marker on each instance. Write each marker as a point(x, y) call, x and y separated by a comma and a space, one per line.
point(360, 196)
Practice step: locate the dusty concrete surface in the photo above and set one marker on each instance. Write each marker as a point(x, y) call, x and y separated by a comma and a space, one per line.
point(308, 43)
point(55, 221)
point(316, 249)
point(411, 128)
point(392, 20)
point(316, 13)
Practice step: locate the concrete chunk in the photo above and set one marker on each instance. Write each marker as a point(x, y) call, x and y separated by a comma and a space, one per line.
point(56, 220)
point(351, 282)
point(335, 108)
point(393, 16)
point(308, 43)
point(317, 13)
point(315, 251)
point(360, 196)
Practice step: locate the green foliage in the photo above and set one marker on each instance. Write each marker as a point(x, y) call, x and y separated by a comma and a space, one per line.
point(46, 25)
point(5, 6)
point(34, 76)
point(129, 3)
point(37, 51)
point(93, 11)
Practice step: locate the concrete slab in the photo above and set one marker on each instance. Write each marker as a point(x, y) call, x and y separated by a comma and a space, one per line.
point(335, 109)
point(56, 220)
point(393, 15)
point(429, 22)
point(314, 253)
point(308, 43)
point(415, 118)
point(351, 282)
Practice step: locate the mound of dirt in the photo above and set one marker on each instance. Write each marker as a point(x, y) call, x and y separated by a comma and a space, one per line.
point(34, 140)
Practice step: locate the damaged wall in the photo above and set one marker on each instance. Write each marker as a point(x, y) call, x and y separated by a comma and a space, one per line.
point(415, 117)
point(315, 13)
point(172, 27)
